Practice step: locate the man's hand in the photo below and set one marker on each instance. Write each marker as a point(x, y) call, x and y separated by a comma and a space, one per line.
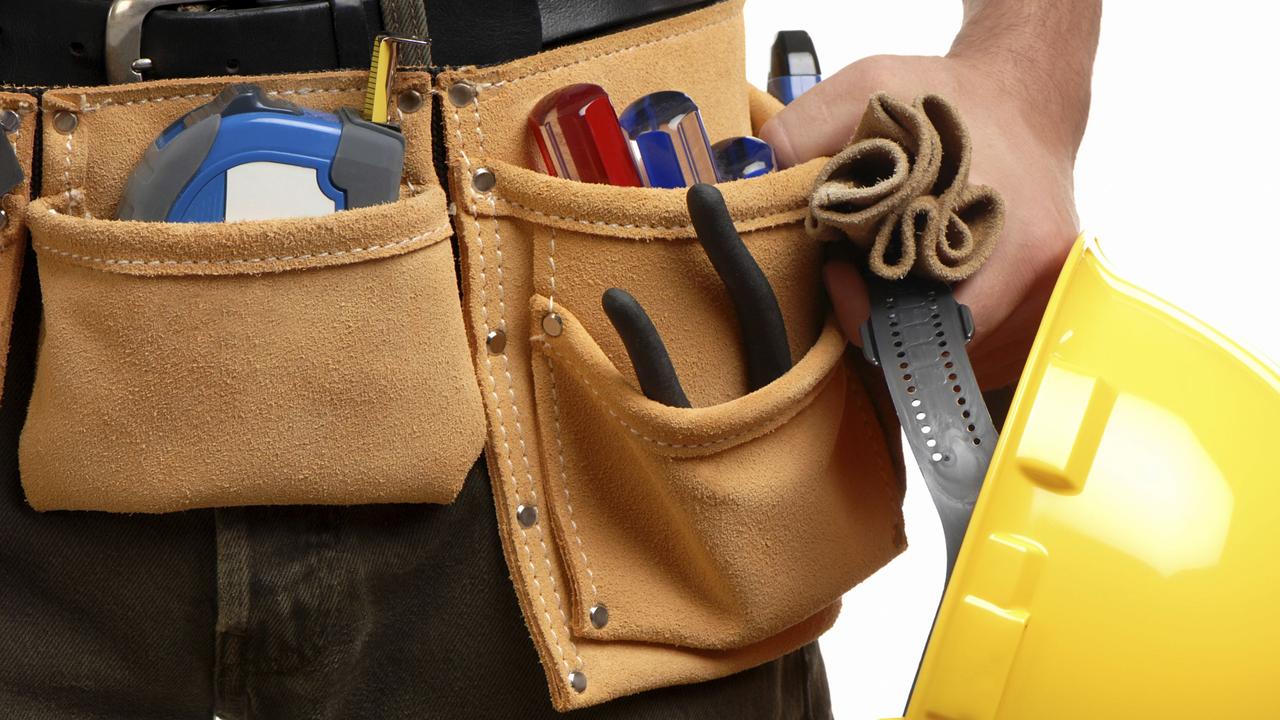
point(1025, 100)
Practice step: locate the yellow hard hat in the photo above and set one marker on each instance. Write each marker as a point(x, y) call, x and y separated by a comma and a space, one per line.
point(1122, 558)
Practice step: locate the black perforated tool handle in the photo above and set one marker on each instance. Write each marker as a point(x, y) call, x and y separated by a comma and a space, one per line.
point(917, 335)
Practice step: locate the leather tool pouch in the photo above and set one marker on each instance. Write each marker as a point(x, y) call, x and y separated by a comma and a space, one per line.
point(652, 545)
point(327, 360)
point(315, 360)
point(13, 226)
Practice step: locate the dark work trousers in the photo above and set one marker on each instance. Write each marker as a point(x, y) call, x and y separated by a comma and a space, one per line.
point(402, 611)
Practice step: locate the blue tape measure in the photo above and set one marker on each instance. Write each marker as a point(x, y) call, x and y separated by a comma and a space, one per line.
point(247, 156)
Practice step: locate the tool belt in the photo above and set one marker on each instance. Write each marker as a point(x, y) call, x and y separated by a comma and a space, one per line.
point(74, 42)
point(362, 357)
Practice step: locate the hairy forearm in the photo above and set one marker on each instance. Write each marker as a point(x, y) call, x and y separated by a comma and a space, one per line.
point(1042, 50)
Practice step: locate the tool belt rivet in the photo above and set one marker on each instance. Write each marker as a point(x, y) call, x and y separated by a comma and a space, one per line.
point(4, 219)
point(552, 324)
point(462, 94)
point(65, 122)
point(409, 101)
point(578, 681)
point(527, 515)
point(496, 341)
point(599, 615)
point(483, 180)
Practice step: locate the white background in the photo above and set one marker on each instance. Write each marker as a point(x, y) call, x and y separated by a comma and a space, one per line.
point(1178, 176)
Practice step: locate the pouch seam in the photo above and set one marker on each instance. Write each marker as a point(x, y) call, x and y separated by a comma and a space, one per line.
point(722, 443)
point(86, 108)
point(773, 219)
point(244, 261)
point(484, 304)
point(564, 484)
point(610, 53)
point(555, 403)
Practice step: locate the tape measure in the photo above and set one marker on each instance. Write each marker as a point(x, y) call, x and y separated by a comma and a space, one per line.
point(247, 155)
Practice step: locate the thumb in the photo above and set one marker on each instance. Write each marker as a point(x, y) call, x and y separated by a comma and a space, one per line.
point(821, 121)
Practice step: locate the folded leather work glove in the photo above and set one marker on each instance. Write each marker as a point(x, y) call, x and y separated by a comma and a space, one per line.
point(901, 191)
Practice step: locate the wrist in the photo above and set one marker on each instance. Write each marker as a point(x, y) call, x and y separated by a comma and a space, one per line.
point(1036, 56)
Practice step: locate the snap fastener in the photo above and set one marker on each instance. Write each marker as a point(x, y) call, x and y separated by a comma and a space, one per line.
point(496, 341)
point(10, 121)
point(552, 324)
point(527, 515)
point(65, 122)
point(409, 101)
point(462, 93)
point(578, 681)
point(599, 615)
point(483, 180)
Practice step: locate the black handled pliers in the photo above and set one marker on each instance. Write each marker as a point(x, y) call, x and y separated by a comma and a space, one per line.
point(764, 334)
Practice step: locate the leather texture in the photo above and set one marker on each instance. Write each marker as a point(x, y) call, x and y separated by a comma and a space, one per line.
point(630, 494)
point(290, 358)
point(60, 42)
point(900, 192)
point(13, 234)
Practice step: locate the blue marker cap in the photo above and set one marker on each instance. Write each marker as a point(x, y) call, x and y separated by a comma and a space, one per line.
point(739, 158)
point(669, 140)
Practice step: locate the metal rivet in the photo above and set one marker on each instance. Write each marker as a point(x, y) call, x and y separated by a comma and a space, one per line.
point(578, 681)
point(141, 65)
point(409, 101)
point(462, 93)
point(552, 324)
point(599, 615)
point(496, 341)
point(527, 515)
point(4, 219)
point(10, 121)
point(65, 122)
point(483, 180)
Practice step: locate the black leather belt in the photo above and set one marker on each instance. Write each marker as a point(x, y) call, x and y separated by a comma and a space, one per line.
point(62, 42)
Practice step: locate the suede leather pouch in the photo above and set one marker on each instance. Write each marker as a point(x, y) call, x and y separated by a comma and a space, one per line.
point(648, 545)
point(297, 361)
point(13, 230)
point(900, 192)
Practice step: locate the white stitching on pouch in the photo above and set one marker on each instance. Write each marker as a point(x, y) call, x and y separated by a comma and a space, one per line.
point(629, 226)
point(794, 411)
point(564, 483)
point(551, 260)
point(515, 408)
point(86, 108)
point(244, 261)
point(497, 405)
